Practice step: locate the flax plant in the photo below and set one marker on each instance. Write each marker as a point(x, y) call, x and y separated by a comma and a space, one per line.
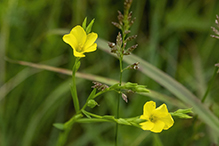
point(82, 40)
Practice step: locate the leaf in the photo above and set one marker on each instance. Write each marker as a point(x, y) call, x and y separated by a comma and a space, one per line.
point(84, 23)
point(89, 27)
point(59, 126)
point(92, 94)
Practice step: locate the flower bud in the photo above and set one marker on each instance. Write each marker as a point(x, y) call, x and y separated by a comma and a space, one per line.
point(182, 113)
point(92, 103)
point(123, 121)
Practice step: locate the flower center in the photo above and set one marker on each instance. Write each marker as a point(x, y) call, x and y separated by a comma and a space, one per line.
point(152, 118)
point(80, 47)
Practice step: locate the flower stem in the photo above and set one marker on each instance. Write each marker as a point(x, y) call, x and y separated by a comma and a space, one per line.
point(67, 128)
point(118, 101)
point(73, 87)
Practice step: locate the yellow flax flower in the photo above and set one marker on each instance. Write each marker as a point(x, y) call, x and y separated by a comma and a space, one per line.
point(157, 118)
point(80, 41)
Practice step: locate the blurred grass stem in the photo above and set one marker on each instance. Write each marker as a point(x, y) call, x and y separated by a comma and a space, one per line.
point(210, 84)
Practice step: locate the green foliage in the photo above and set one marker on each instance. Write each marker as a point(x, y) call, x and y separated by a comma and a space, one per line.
point(172, 36)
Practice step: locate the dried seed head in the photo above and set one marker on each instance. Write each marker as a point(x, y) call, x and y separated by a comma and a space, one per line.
point(124, 45)
point(113, 47)
point(119, 39)
point(120, 16)
point(111, 44)
point(127, 31)
point(124, 97)
point(216, 21)
point(127, 4)
point(130, 16)
point(131, 38)
point(117, 25)
point(126, 52)
point(132, 21)
point(135, 66)
point(132, 48)
point(99, 86)
point(215, 30)
point(114, 50)
point(214, 36)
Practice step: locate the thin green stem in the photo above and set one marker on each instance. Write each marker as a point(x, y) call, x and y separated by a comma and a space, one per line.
point(73, 87)
point(63, 137)
point(210, 84)
point(117, 125)
point(67, 128)
point(118, 101)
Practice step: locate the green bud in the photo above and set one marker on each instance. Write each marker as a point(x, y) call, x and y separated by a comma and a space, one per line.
point(141, 88)
point(123, 121)
point(136, 120)
point(130, 85)
point(135, 87)
point(112, 118)
point(182, 113)
point(92, 103)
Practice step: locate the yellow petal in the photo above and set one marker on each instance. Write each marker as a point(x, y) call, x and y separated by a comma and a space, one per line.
point(91, 48)
point(91, 38)
point(78, 54)
point(144, 117)
point(147, 125)
point(149, 107)
point(158, 126)
point(168, 120)
point(162, 108)
point(161, 111)
point(79, 33)
point(71, 40)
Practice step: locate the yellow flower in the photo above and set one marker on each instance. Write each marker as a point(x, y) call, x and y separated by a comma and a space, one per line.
point(157, 118)
point(80, 41)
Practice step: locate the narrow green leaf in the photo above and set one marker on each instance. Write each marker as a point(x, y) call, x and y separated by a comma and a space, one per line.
point(89, 27)
point(92, 94)
point(88, 116)
point(84, 23)
point(59, 126)
point(74, 97)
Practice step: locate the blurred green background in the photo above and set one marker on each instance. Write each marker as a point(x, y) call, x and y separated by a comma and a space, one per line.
point(174, 36)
